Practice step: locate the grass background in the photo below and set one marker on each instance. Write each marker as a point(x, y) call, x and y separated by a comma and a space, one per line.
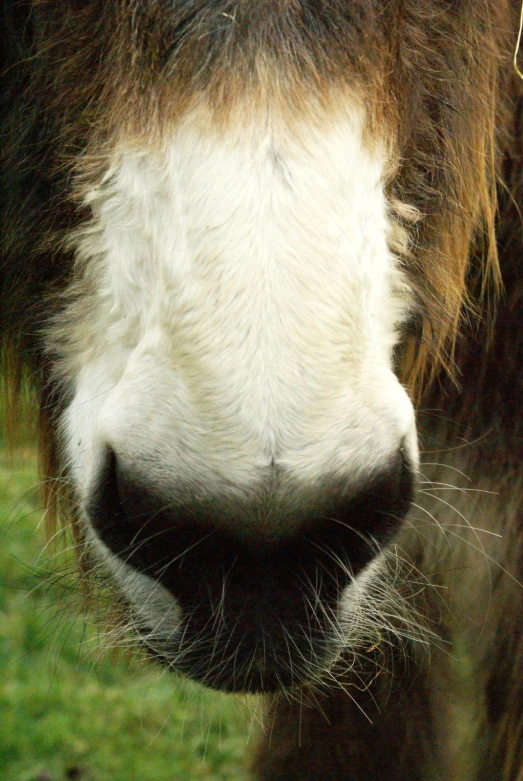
point(66, 713)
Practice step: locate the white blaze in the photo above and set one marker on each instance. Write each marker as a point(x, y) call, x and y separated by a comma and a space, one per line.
point(243, 309)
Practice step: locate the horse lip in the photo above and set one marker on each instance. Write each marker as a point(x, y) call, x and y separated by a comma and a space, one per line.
point(254, 676)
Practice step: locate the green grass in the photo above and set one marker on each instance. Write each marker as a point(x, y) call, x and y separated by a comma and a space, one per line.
point(66, 713)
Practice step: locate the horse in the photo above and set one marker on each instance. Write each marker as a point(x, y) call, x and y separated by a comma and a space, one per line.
point(261, 268)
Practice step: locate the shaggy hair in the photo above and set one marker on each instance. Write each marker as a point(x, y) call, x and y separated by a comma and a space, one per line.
point(437, 78)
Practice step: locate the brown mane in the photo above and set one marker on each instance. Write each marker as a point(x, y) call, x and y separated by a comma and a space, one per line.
point(448, 149)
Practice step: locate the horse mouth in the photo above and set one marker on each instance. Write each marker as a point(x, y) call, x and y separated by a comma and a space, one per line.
point(251, 667)
point(255, 614)
point(277, 639)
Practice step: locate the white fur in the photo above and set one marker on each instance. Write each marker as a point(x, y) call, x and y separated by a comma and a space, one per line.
point(243, 310)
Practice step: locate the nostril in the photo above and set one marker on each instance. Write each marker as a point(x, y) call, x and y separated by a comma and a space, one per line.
point(133, 521)
point(104, 506)
point(355, 528)
point(118, 506)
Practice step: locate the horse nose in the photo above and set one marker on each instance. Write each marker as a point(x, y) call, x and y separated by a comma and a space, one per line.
point(137, 522)
point(249, 605)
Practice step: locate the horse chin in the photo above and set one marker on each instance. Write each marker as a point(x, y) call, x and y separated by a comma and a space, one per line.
point(244, 671)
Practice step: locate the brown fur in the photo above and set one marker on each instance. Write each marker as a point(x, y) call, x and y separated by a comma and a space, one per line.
point(446, 134)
